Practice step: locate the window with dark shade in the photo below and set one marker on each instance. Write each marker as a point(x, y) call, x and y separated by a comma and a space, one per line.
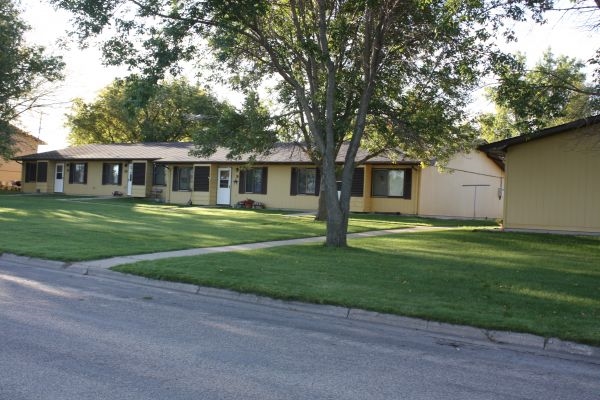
point(201, 179)
point(358, 182)
point(112, 173)
point(158, 175)
point(253, 180)
point(139, 174)
point(182, 178)
point(78, 173)
point(30, 171)
point(305, 181)
point(42, 172)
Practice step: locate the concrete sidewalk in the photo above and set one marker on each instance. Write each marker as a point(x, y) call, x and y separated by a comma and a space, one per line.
point(457, 335)
point(520, 341)
point(121, 260)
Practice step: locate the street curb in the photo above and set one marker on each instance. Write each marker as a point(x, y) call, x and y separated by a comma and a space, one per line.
point(32, 261)
point(225, 294)
point(551, 346)
point(522, 340)
point(562, 346)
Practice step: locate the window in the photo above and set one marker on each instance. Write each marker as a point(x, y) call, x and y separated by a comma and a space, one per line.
point(305, 181)
point(78, 173)
point(358, 183)
point(159, 176)
point(42, 172)
point(392, 183)
point(139, 174)
point(111, 173)
point(30, 172)
point(253, 180)
point(182, 178)
point(201, 179)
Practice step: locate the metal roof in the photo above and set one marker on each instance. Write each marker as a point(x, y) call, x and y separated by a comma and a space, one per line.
point(179, 152)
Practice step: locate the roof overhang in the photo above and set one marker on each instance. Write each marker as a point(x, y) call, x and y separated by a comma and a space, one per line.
point(497, 150)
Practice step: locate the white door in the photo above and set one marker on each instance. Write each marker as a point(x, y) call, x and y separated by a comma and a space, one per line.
point(59, 178)
point(224, 189)
point(129, 179)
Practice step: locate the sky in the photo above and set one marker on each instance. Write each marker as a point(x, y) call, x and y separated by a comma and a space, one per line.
point(565, 34)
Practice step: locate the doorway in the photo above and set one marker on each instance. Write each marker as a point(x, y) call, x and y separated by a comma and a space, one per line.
point(224, 188)
point(59, 178)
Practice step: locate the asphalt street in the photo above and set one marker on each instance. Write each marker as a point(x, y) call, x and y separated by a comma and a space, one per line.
point(66, 336)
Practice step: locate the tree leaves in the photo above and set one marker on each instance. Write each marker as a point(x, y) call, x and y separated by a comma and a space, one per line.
point(554, 91)
point(23, 69)
point(136, 110)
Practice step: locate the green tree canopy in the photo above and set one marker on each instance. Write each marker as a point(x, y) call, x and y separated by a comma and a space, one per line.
point(395, 72)
point(138, 110)
point(553, 92)
point(23, 69)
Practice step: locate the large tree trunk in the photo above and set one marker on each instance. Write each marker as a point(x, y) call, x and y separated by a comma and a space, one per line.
point(337, 213)
point(322, 210)
point(337, 229)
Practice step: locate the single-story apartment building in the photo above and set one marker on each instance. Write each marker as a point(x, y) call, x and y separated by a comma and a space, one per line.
point(470, 186)
point(552, 178)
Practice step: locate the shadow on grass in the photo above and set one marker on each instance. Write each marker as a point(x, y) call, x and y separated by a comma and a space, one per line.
point(508, 281)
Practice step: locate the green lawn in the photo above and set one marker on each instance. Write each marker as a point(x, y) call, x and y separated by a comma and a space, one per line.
point(543, 284)
point(71, 229)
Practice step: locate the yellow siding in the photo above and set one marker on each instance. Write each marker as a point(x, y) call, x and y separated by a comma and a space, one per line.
point(450, 192)
point(278, 194)
point(187, 196)
point(201, 198)
point(357, 204)
point(367, 199)
point(389, 204)
point(552, 183)
point(138, 191)
point(181, 197)
point(170, 196)
point(11, 170)
point(278, 188)
point(40, 187)
point(279, 179)
point(212, 194)
point(51, 177)
point(94, 186)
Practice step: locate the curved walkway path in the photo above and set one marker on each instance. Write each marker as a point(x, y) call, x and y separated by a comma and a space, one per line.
point(121, 260)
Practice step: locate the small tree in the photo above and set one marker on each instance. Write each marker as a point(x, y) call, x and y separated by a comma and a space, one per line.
point(23, 70)
point(135, 110)
point(553, 92)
